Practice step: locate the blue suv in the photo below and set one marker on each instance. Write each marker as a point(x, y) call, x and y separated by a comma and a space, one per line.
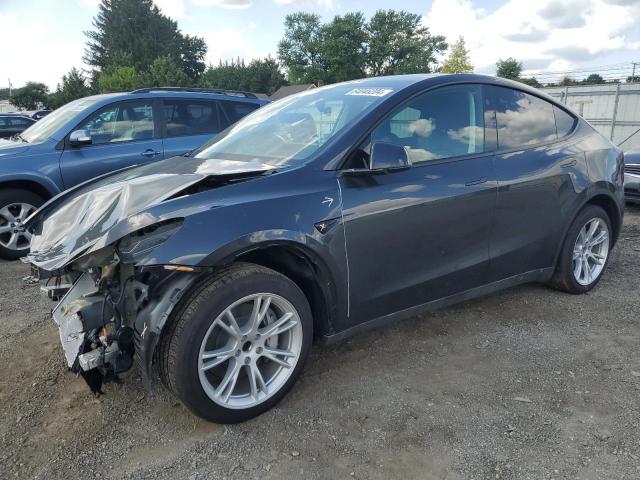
point(96, 135)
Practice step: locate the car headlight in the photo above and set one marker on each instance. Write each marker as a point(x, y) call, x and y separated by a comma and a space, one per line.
point(142, 241)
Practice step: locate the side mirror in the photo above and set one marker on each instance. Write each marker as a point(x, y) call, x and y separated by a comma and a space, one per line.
point(388, 156)
point(79, 138)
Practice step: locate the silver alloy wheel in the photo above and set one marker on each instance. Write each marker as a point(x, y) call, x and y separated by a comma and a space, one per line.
point(590, 251)
point(13, 235)
point(250, 351)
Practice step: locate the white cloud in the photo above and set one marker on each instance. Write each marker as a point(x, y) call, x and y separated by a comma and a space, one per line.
point(172, 8)
point(229, 4)
point(229, 44)
point(549, 34)
point(329, 4)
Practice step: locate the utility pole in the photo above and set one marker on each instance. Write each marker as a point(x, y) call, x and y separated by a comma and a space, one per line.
point(10, 88)
point(633, 74)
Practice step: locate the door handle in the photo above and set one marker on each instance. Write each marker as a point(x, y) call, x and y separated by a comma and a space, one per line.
point(478, 181)
point(569, 163)
point(150, 152)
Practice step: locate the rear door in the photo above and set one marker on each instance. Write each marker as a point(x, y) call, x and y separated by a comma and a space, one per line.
point(123, 134)
point(540, 174)
point(189, 123)
point(422, 234)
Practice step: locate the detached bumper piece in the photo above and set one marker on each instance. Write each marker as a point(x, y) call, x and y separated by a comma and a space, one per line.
point(94, 345)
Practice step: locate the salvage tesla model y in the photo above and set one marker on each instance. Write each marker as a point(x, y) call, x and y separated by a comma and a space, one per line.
point(323, 214)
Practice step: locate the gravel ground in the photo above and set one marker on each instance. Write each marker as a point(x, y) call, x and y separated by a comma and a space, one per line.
point(526, 383)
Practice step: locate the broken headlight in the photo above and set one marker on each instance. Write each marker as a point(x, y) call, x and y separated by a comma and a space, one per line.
point(142, 241)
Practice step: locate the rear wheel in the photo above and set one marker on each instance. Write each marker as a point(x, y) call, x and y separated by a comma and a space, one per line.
point(585, 253)
point(15, 207)
point(238, 344)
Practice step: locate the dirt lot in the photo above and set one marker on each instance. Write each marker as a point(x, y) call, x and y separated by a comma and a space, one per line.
point(527, 383)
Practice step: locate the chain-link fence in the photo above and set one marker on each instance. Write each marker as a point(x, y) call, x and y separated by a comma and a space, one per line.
point(613, 109)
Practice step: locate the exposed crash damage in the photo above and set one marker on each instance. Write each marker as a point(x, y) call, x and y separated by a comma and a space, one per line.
point(87, 248)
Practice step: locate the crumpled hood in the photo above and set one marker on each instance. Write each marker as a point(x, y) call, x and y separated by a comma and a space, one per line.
point(82, 220)
point(9, 147)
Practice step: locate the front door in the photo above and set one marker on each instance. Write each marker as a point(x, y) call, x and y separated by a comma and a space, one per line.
point(421, 234)
point(122, 134)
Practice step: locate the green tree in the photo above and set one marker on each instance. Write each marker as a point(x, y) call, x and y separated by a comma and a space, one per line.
point(633, 79)
point(343, 48)
point(31, 97)
point(509, 68)
point(164, 72)
point(398, 43)
point(567, 81)
point(133, 33)
point(227, 75)
point(532, 82)
point(300, 49)
point(458, 60)
point(72, 87)
point(264, 76)
point(392, 42)
point(593, 79)
point(118, 79)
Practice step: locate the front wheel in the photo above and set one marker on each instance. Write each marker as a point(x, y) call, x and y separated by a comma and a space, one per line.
point(15, 207)
point(585, 253)
point(238, 344)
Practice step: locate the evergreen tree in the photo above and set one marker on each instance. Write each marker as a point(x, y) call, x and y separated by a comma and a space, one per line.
point(72, 87)
point(134, 33)
point(458, 60)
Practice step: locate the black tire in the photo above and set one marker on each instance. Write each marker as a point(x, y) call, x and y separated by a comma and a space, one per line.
point(8, 197)
point(180, 344)
point(563, 277)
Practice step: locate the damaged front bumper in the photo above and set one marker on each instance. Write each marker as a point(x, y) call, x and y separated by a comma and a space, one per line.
point(110, 318)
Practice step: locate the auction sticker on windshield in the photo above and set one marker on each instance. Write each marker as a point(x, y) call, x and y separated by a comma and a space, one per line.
point(370, 92)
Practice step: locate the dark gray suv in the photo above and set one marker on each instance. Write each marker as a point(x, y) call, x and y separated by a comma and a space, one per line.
point(318, 216)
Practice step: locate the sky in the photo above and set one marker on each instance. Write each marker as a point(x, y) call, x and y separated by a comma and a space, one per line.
point(43, 39)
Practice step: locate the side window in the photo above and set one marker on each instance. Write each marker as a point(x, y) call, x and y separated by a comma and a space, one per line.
point(191, 117)
point(3, 123)
point(236, 110)
point(121, 122)
point(442, 123)
point(522, 119)
point(19, 122)
point(564, 122)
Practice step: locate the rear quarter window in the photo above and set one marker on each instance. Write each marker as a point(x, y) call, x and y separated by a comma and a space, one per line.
point(564, 122)
point(522, 119)
point(236, 110)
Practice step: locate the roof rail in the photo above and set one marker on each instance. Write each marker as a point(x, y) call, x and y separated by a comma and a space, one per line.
point(231, 93)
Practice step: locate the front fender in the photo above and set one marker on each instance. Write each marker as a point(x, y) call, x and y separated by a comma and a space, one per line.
point(45, 182)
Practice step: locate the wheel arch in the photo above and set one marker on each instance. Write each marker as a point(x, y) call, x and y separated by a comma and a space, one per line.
point(609, 205)
point(36, 186)
point(305, 268)
point(603, 200)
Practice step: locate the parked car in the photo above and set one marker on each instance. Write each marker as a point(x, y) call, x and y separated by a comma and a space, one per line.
point(322, 215)
point(96, 135)
point(11, 124)
point(632, 177)
point(40, 114)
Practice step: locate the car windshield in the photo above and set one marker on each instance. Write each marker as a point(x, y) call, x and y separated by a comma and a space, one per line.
point(49, 124)
point(289, 131)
